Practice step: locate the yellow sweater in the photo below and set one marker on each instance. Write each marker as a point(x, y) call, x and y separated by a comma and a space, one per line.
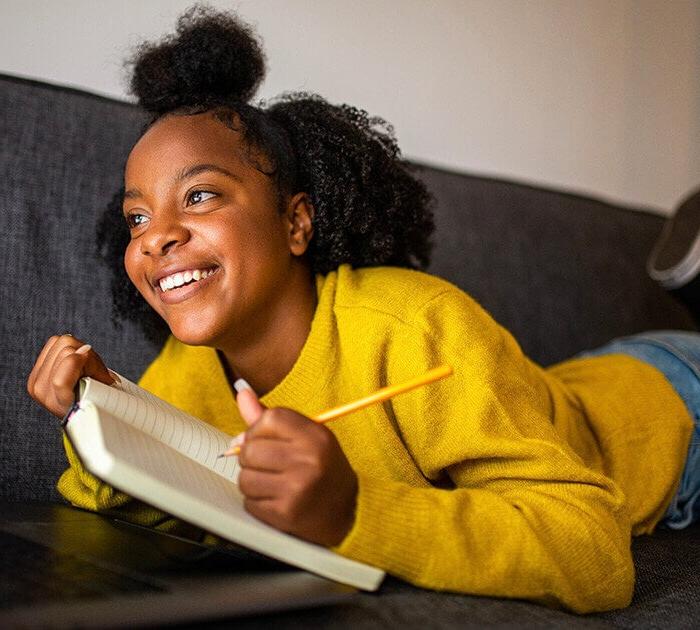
point(505, 479)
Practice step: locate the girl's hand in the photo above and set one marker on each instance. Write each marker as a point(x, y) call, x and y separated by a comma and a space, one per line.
point(61, 363)
point(294, 475)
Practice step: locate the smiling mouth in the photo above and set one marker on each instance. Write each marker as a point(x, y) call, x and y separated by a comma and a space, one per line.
point(185, 278)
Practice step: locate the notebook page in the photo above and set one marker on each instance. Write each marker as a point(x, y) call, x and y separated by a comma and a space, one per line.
point(161, 420)
point(184, 474)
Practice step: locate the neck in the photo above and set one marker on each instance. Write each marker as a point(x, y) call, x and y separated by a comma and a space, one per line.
point(263, 359)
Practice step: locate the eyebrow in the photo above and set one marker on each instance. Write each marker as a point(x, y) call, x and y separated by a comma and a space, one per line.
point(197, 169)
point(132, 193)
point(187, 173)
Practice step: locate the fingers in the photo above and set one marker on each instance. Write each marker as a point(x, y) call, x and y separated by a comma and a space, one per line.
point(258, 485)
point(264, 454)
point(67, 370)
point(95, 368)
point(281, 424)
point(63, 360)
point(248, 404)
point(39, 381)
point(268, 510)
point(295, 477)
point(47, 355)
point(40, 360)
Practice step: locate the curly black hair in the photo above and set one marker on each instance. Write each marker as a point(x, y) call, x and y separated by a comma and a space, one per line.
point(369, 209)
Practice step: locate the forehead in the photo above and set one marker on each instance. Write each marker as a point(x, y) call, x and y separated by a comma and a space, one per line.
point(176, 141)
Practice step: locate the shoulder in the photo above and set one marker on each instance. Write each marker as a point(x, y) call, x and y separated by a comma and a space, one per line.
point(416, 315)
point(406, 296)
point(394, 291)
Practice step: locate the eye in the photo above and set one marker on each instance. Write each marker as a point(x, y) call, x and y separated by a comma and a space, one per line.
point(135, 219)
point(198, 196)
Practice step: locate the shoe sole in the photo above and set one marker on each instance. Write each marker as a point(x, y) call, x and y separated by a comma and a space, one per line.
point(675, 259)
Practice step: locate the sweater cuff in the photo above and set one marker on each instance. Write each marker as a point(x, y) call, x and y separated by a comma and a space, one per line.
point(83, 489)
point(390, 519)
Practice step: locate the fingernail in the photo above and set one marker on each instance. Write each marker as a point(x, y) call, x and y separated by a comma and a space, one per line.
point(84, 349)
point(241, 384)
point(115, 376)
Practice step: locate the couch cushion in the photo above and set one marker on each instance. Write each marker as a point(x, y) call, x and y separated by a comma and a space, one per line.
point(562, 272)
point(61, 160)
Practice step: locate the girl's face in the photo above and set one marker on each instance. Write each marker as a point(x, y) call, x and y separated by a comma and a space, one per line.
point(210, 249)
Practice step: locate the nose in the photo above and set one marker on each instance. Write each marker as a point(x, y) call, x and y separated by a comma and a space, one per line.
point(164, 233)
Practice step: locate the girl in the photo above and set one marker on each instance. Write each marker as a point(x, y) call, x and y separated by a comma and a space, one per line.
point(280, 245)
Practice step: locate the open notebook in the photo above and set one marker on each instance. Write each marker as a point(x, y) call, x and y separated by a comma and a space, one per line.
point(147, 448)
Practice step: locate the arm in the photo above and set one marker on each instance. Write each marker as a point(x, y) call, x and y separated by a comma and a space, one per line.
point(82, 489)
point(522, 516)
point(507, 508)
point(536, 546)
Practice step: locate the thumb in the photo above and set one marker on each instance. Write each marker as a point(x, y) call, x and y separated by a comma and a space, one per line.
point(248, 404)
point(93, 366)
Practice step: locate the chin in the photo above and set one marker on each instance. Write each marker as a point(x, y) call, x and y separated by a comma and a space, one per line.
point(193, 333)
point(193, 340)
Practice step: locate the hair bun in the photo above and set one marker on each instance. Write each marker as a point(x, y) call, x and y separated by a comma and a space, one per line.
point(212, 57)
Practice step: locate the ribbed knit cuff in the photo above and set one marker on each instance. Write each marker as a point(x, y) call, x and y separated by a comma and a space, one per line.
point(391, 520)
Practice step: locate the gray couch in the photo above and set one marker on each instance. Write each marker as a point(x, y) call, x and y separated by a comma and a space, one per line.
point(563, 272)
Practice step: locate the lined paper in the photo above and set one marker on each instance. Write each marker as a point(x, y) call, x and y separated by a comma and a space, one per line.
point(160, 462)
point(155, 417)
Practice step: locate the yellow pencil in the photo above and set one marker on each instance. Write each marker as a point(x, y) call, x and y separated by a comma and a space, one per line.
point(379, 396)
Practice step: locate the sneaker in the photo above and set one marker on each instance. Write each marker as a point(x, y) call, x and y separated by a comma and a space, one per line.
point(675, 259)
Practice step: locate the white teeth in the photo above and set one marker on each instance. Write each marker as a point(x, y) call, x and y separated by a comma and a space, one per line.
point(183, 277)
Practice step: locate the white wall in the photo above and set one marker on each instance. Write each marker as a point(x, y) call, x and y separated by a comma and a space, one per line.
point(597, 96)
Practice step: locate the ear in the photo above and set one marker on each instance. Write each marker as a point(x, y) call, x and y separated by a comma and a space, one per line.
point(300, 215)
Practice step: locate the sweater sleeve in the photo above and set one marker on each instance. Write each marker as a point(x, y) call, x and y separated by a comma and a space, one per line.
point(82, 489)
point(510, 510)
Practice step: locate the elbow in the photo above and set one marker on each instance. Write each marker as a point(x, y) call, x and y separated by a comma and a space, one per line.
point(590, 562)
point(610, 591)
point(587, 591)
point(601, 578)
point(597, 563)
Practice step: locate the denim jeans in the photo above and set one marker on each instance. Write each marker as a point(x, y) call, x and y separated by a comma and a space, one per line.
point(677, 355)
